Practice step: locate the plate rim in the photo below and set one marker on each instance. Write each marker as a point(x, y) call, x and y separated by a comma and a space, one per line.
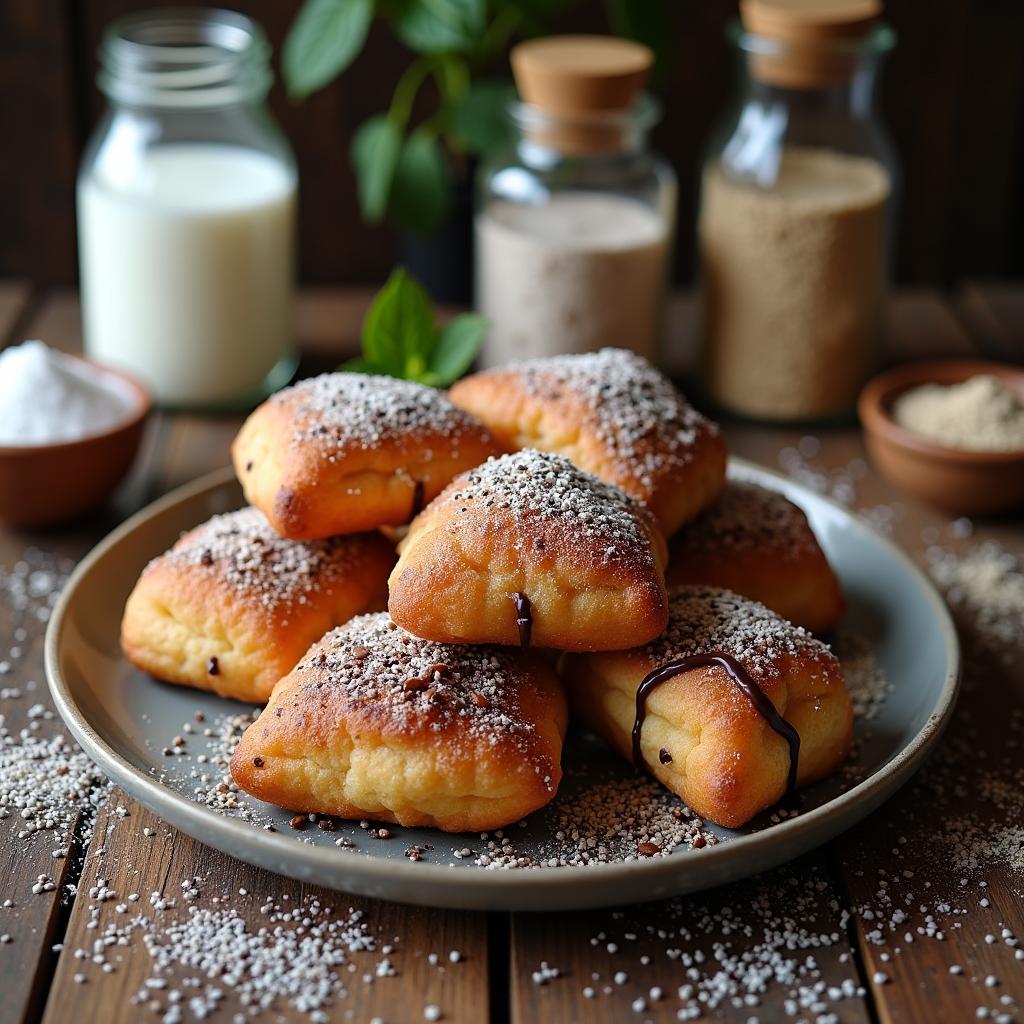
point(483, 888)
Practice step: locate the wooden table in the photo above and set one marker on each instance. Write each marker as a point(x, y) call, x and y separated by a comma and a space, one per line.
point(650, 945)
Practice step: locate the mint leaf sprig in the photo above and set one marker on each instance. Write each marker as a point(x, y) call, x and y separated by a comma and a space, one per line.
point(400, 337)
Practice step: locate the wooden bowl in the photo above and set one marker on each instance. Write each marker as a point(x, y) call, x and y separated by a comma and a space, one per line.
point(47, 484)
point(959, 481)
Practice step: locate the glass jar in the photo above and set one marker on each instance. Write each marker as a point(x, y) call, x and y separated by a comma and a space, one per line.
point(186, 211)
point(574, 223)
point(795, 217)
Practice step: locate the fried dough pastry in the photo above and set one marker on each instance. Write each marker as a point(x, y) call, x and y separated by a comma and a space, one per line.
point(347, 452)
point(702, 734)
point(232, 606)
point(758, 543)
point(528, 548)
point(614, 415)
point(376, 723)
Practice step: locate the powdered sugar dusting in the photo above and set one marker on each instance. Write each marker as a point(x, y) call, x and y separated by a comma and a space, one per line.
point(354, 410)
point(645, 423)
point(748, 517)
point(707, 620)
point(242, 549)
point(546, 489)
point(377, 668)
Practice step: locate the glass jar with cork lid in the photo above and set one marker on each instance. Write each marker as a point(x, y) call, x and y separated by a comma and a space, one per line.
point(795, 216)
point(574, 224)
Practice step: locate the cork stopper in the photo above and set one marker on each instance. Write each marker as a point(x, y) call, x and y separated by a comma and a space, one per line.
point(582, 88)
point(813, 41)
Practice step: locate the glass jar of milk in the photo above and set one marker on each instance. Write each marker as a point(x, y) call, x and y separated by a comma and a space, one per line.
point(186, 211)
point(574, 225)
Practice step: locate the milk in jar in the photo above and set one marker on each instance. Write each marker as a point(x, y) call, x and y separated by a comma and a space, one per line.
point(186, 212)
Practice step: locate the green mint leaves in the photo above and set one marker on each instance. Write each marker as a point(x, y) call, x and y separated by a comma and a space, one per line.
point(401, 339)
point(326, 37)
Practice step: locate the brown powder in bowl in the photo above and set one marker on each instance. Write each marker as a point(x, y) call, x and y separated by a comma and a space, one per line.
point(793, 278)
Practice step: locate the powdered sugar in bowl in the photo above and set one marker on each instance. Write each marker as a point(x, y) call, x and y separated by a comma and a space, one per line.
point(69, 432)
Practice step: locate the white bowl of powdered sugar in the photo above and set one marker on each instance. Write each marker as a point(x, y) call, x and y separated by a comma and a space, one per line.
point(69, 432)
point(950, 432)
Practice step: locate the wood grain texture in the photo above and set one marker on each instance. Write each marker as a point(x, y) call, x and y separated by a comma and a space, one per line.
point(137, 854)
point(630, 964)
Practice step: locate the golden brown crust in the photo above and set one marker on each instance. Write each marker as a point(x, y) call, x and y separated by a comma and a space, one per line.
point(344, 453)
point(759, 544)
point(376, 723)
point(612, 414)
point(721, 756)
point(232, 606)
point(587, 556)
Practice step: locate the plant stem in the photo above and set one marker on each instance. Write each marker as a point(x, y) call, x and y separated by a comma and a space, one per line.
point(408, 86)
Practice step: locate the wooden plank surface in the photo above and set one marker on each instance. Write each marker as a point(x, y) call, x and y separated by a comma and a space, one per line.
point(201, 893)
point(993, 312)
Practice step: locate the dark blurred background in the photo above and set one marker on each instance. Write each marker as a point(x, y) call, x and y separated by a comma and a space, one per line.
point(952, 96)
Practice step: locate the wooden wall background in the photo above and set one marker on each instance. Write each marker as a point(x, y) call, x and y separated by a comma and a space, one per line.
point(953, 96)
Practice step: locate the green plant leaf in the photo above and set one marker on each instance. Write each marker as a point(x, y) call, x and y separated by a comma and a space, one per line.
point(419, 193)
point(375, 150)
point(324, 39)
point(480, 116)
point(398, 331)
point(440, 26)
point(361, 365)
point(457, 347)
point(645, 21)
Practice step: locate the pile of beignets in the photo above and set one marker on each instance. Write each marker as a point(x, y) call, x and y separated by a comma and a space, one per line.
point(567, 534)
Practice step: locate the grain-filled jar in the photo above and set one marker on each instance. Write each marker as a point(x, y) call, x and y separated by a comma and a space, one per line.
point(186, 211)
point(795, 213)
point(574, 224)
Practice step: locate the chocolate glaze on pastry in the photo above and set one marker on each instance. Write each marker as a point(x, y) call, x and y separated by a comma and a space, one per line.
point(702, 736)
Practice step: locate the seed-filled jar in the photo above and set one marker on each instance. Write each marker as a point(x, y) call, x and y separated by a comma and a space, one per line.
point(574, 224)
point(796, 205)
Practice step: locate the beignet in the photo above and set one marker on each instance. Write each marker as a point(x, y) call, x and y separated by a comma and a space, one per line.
point(758, 543)
point(528, 548)
point(232, 606)
point(703, 736)
point(347, 452)
point(614, 415)
point(376, 723)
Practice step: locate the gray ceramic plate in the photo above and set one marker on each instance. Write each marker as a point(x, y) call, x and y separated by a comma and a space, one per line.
point(125, 719)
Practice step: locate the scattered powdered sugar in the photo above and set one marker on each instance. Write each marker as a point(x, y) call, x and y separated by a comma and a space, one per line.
point(547, 490)
point(709, 620)
point(241, 549)
point(839, 483)
point(49, 783)
point(986, 582)
point(292, 960)
point(748, 517)
point(644, 423)
point(353, 410)
point(866, 681)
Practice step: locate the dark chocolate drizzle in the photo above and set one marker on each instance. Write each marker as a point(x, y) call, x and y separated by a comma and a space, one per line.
point(739, 675)
point(417, 499)
point(524, 618)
